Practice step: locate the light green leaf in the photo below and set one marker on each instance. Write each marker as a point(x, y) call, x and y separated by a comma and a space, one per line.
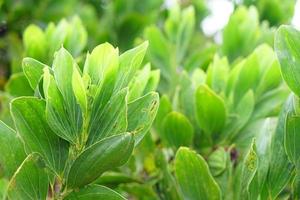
point(241, 115)
point(185, 32)
point(217, 161)
point(217, 74)
point(141, 114)
point(159, 51)
point(56, 35)
point(79, 89)
point(164, 108)
point(63, 64)
point(76, 37)
point(210, 110)
point(130, 62)
point(248, 77)
point(94, 192)
point(12, 150)
point(287, 42)
point(270, 79)
point(33, 71)
point(103, 60)
point(30, 180)
point(102, 156)
point(35, 42)
point(58, 117)
point(152, 81)
point(30, 120)
point(194, 177)
point(270, 103)
point(240, 33)
point(177, 130)
point(138, 84)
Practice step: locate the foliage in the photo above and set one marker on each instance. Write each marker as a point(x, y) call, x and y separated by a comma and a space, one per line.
point(76, 127)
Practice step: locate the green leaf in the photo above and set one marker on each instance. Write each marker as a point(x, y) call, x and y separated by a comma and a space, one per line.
point(79, 89)
point(18, 85)
point(56, 35)
point(248, 77)
point(35, 42)
point(241, 115)
point(112, 119)
point(217, 74)
point(249, 169)
point(116, 178)
point(263, 150)
point(280, 169)
point(103, 60)
point(63, 112)
point(240, 33)
point(217, 161)
point(164, 108)
point(58, 117)
point(30, 120)
point(292, 138)
point(12, 150)
point(33, 71)
point(159, 51)
point(76, 37)
point(138, 84)
point(30, 180)
point(194, 177)
point(102, 67)
point(210, 110)
point(177, 130)
point(94, 192)
point(102, 156)
point(185, 31)
point(270, 79)
point(167, 182)
point(270, 103)
point(141, 114)
point(152, 81)
point(287, 42)
point(130, 62)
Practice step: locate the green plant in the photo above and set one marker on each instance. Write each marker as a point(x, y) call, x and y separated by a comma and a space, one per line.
point(287, 45)
point(274, 11)
point(41, 45)
point(79, 124)
point(174, 47)
point(244, 32)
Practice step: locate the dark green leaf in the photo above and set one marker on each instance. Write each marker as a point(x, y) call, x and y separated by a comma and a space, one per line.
point(93, 192)
point(102, 156)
